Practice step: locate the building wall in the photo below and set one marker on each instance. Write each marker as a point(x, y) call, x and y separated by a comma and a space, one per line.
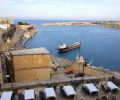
point(43, 74)
point(31, 67)
point(31, 61)
point(24, 27)
point(30, 75)
point(87, 70)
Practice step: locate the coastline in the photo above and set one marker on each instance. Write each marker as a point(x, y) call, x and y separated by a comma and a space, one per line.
point(17, 38)
point(68, 24)
point(108, 24)
point(34, 31)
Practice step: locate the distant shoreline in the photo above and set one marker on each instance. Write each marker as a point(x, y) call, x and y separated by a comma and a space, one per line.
point(68, 24)
point(109, 24)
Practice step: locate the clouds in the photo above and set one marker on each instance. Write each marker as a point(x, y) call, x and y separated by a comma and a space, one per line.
point(65, 9)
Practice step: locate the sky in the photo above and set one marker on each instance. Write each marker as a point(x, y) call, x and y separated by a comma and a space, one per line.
point(61, 9)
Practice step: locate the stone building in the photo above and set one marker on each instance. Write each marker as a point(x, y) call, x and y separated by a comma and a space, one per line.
point(28, 65)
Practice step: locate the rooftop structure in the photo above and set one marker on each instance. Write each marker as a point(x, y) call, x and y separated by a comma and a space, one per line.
point(7, 95)
point(91, 91)
point(29, 94)
point(34, 51)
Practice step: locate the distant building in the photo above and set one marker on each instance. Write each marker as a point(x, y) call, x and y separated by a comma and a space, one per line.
point(23, 23)
point(26, 35)
point(24, 27)
point(80, 60)
point(28, 65)
point(4, 27)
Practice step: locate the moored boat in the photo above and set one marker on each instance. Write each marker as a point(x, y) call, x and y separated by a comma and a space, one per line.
point(64, 47)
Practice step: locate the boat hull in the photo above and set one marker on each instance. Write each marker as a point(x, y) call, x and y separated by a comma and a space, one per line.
point(69, 47)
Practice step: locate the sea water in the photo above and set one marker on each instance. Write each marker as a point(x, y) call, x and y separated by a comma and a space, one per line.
point(98, 44)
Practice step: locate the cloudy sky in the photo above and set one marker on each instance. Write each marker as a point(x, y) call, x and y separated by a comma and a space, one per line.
point(61, 9)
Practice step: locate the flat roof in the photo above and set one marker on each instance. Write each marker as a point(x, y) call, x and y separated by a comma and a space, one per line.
point(91, 87)
point(32, 51)
point(50, 92)
point(111, 85)
point(69, 90)
point(6, 95)
point(29, 94)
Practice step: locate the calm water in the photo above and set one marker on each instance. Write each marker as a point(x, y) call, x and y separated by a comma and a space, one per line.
point(99, 44)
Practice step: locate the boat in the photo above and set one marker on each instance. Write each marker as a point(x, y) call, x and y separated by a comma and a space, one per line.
point(64, 47)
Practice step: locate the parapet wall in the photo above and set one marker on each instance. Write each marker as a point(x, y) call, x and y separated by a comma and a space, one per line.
point(17, 86)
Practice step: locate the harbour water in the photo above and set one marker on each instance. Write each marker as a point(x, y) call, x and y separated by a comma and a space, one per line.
point(99, 44)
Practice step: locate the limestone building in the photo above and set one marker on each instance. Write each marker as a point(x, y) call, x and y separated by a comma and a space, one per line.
point(29, 64)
